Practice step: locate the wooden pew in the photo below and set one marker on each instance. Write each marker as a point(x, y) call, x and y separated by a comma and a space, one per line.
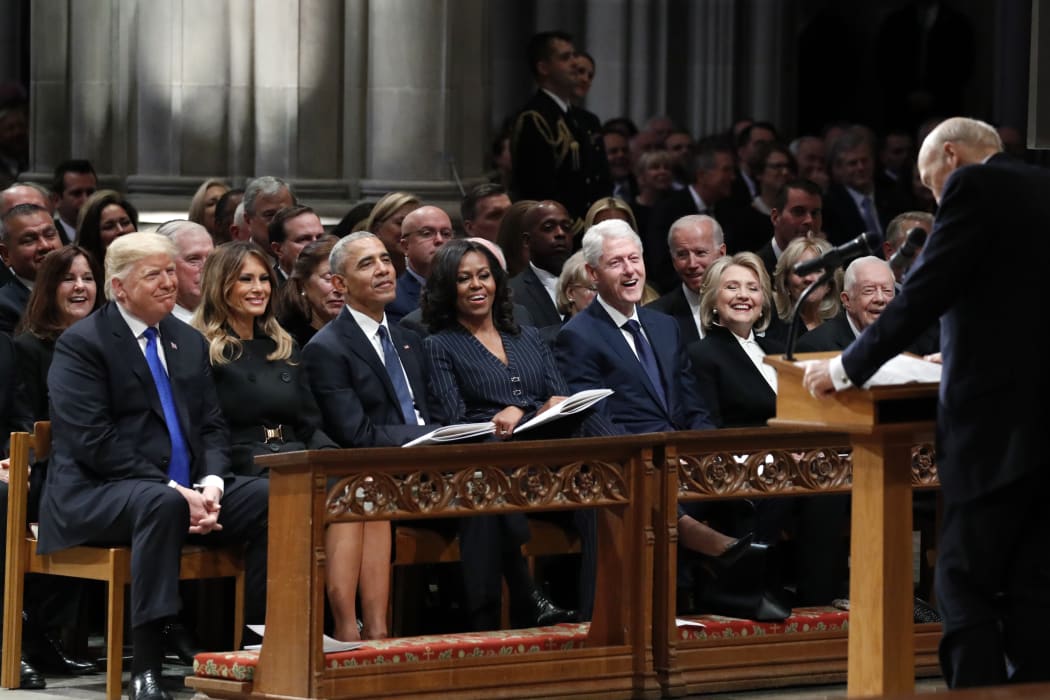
point(756, 463)
point(614, 475)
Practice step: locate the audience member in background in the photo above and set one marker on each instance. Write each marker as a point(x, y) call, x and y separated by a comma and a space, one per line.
point(679, 144)
point(896, 155)
point(511, 237)
point(578, 113)
point(575, 289)
point(854, 202)
point(202, 206)
point(695, 241)
point(385, 221)
point(290, 230)
point(609, 208)
point(618, 156)
point(354, 219)
point(797, 212)
point(14, 132)
point(809, 152)
point(23, 193)
point(482, 366)
point(482, 210)
point(897, 233)
point(73, 182)
point(239, 230)
point(547, 236)
point(193, 245)
point(27, 235)
point(423, 232)
point(655, 175)
point(263, 198)
point(224, 211)
point(106, 216)
point(65, 291)
point(819, 306)
point(499, 155)
point(554, 156)
point(308, 300)
point(712, 176)
point(623, 125)
point(750, 228)
point(750, 138)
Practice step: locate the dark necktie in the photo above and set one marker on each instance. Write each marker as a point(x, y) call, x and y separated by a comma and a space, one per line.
point(646, 357)
point(397, 377)
point(179, 466)
point(871, 220)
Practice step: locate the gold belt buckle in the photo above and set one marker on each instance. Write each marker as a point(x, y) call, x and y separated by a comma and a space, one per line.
point(273, 434)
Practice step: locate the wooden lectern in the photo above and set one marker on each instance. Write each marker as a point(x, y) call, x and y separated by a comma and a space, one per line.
point(883, 423)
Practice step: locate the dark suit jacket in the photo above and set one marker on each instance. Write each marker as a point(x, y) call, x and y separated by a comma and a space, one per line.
point(992, 412)
point(255, 392)
point(556, 156)
point(353, 390)
point(8, 376)
point(836, 334)
point(592, 352)
point(13, 299)
point(530, 293)
point(675, 305)
point(734, 390)
point(33, 359)
point(5, 274)
point(108, 426)
point(407, 299)
point(842, 219)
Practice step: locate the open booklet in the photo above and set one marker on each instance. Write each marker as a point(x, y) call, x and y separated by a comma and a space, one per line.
point(905, 369)
point(580, 401)
point(451, 433)
point(330, 645)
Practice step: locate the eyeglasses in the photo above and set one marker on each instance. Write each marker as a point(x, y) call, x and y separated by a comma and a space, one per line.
point(427, 233)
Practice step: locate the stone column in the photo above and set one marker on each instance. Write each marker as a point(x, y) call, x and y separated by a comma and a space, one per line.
point(427, 97)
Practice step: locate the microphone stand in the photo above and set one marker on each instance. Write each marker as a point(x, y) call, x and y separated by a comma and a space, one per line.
point(796, 313)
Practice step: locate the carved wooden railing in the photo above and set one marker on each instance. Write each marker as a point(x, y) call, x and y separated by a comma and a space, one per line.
point(755, 463)
point(310, 490)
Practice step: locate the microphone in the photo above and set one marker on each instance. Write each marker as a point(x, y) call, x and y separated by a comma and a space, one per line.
point(904, 256)
point(863, 244)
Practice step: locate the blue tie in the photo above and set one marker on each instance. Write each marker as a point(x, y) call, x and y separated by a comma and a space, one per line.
point(870, 220)
point(646, 357)
point(179, 466)
point(397, 377)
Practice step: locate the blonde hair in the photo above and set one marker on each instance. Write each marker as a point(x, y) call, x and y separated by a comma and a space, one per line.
point(572, 272)
point(132, 248)
point(221, 270)
point(830, 304)
point(605, 204)
point(713, 283)
point(196, 211)
point(387, 206)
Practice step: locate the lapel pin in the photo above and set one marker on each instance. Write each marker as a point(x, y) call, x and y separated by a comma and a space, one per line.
point(173, 345)
point(406, 347)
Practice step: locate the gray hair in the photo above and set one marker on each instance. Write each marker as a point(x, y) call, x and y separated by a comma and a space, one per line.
point(572, 272)
point(610, 229)
point(895, 233)
point(238, 216)
point(694, 220)
point(851, 139)
point(175, 228)
point(972, 132)
point(337, 258)
point(267, 185)
point(849, 278)
point(16, 211)
point(128, 250)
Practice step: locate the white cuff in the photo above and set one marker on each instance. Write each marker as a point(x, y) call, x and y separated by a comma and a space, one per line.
point(838, 374)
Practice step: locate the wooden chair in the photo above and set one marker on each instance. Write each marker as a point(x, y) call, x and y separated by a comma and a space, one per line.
point(109, 564)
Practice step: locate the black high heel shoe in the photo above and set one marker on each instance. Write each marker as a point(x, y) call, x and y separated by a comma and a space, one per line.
point(736, 551)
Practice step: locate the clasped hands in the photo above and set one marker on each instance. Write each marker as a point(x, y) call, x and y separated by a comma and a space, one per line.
point(508, 419)
point(204, 508)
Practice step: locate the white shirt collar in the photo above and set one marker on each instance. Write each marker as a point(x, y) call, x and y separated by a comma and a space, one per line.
point(698, 200)
point(367, 324)
point(618, 318)
point(852, 325)
point(137, 325)
point(562, 104)
point(693, 299)
point(182, 313)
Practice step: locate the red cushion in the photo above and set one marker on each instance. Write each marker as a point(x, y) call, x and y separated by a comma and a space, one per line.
point(240, 665)
point(802, 621)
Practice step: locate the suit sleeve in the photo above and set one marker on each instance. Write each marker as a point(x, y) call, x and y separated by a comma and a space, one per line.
point(345, 419)
point(707, 381)
point(697, 416)
point(81, 414)
point(310, 427)
point(214, 432)
point(449, 407)
point(945, 271)
point(580, 369)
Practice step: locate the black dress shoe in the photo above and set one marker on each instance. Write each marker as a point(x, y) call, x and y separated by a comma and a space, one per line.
point(735, 551)
point(147, 686)
point(179, 641)
point(30, 678)
point(538, 611)
point(48, 653)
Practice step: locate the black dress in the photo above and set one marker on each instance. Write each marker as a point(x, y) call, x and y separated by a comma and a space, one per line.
point(255, 394)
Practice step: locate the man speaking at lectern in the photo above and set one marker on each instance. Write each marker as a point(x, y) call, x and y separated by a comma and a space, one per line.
point(993, 572)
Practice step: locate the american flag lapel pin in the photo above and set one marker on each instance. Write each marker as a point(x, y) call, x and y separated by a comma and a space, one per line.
point(407, 348)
